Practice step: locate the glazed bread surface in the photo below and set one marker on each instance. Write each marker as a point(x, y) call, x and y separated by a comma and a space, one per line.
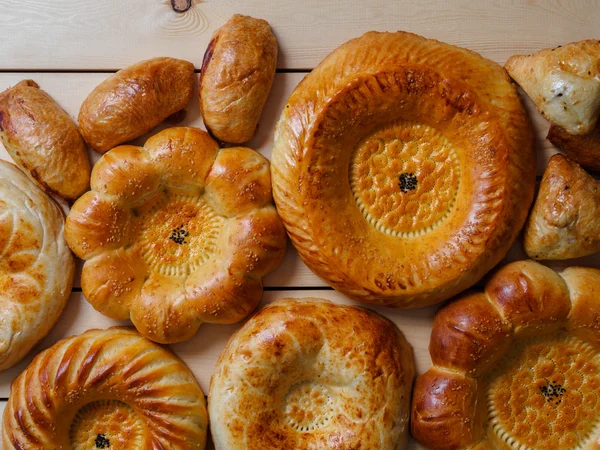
point(306, 373)
point(36, 265)
point(403, 168)
point(514, 366)
point(134, 100)
point(110, 389)
point(176, 233)
point(237, 73)
point(44, 141)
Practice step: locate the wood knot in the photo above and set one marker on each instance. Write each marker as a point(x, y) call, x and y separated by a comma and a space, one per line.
point(181, 6)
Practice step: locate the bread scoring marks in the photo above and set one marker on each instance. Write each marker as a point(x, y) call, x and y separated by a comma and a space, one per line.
point(308, 406)
point(106, 424)
point(177, 233)
point(545, 394)
point(405, 178)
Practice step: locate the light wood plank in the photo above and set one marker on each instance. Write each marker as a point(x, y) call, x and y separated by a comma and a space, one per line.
point(110, 34)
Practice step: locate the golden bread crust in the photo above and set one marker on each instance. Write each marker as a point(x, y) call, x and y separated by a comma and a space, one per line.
point(403, 168)
point(237, 73)
point(563, 82)
point(134, 100)
point(176, 233)
point(43, 140)
point(306, 373)
point(564, 221)
point(584, 149)
point(515, 366)
point(36, 265)
point(105, 389)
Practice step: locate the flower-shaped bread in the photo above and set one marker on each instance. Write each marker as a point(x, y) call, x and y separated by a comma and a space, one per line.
point(516, 366)
point(176, 233)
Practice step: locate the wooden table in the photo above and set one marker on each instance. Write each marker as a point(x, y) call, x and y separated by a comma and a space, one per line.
point(69, 46)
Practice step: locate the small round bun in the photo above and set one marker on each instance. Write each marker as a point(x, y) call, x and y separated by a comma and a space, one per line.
point(516, 366)
point(177, 233)
point(306, 373)
point(403, 168)
point(110, 389)
point(36, 265)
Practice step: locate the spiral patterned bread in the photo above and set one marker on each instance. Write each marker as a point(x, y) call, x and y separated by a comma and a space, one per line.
point(36, 265)
point(403, 168)
point(310, 374)
point(516, 366)
point(176, 233)
point(105, 389)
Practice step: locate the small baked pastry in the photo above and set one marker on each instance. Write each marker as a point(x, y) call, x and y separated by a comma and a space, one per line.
point(515, 366)
point(403, 168)
point(563, 82)
point(176, 233)
point(36, 265)
point(565, 220)
point(311, 374)
point(108, 389)
point(43, 140)
point(134, 100)
point(581, 148)
point(237, 74)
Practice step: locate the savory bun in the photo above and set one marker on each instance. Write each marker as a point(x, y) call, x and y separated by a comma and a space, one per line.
point(237, 74)
point(403, 168)
point(563, 82)
point(134, 100)
point(565, 220)
point(36, 266)
point(105, 389)
point(584, 149)
point(310, 374)
point(515, 366)
point(44, 141)
point(176, 233)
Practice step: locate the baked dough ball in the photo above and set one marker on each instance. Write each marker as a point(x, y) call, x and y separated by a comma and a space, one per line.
point(237, 73)
point(311, 374)
point(516, 366)
point(563, 82)
point(134, 100)
point(44, 141)
point(581, 148)
point(403, 168)
point(565, 219)
point(176, 233)
point(108, 389)
point(36, 265)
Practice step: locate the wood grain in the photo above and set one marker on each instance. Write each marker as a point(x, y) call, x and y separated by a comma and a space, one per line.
point(110, 34)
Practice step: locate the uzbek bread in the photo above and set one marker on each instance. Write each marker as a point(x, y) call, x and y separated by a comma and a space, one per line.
point(134, 100)
point(44, 141)
point(306, 373)
point(36, 265)
point(176, 233)
point(237, 73)
point(105, 389)
point(403, 168)
point(515, 366)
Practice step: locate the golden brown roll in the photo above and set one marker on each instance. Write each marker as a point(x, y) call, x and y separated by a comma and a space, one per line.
point(176, 233)
point(565, 219)
point(311, 374)
point(403, 168)
point(237, 74)
point(43, 140)
point(108, 389)
point(515, 366)
point(584, 149)
point(134, 100)
point(36, 265)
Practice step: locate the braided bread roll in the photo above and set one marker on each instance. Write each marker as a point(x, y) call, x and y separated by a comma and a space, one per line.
point(105, 389)
point(515, 366)
point(36, 265)
point(309, 374)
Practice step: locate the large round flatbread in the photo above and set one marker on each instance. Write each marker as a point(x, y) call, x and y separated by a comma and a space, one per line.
point(36, 265)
